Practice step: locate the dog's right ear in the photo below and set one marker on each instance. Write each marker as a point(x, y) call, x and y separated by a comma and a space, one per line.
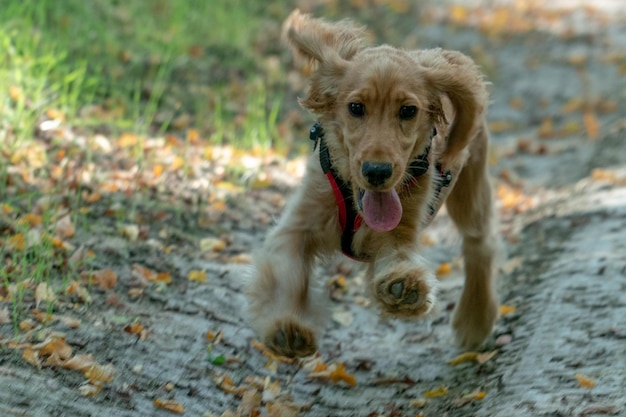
point(322, 41)
point(328, 47)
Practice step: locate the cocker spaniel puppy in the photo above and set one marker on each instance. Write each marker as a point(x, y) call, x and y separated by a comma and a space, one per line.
point(399, 133)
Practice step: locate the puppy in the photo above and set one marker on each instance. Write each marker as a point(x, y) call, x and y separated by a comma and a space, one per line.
point(398, 134)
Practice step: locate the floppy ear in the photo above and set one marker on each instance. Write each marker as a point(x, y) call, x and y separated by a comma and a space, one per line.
point(328, 47)
point(456, 76)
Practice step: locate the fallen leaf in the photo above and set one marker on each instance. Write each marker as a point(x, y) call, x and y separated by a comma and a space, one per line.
point(64, 228)
point(5, 317)
point(584, 382)
point(485, 357)
point(70, 322)
point(130, 231)
point(170, 405)
point(468, 398)
point(135, 328)
point(31, 219)
point(437, 392)
point(16, 242)
point(340, 374)
point(443, 269)
point(80, 362)
point(463, 357)
point(506, 309)
point(197, 276)
point(418, 403)
point(212, 244)
point(104, 278)
point(242, 258)
point(89, 390)
point(44, 293)
point(100, 373)
point(343, 317)
point(31, 356)
point(27, 325)
point(54, 344)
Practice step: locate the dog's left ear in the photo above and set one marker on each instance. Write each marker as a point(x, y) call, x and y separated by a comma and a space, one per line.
point(457, 76)
point(329, 47)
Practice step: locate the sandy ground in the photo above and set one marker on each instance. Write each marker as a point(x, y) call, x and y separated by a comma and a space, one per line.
point(564, 272)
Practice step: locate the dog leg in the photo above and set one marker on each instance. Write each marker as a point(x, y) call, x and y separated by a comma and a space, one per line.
point(281, 309)
point(470, 206)
point(402, 284)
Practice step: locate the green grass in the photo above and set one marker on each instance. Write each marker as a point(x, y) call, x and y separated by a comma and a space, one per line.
point(148, 67)
point(143, 62)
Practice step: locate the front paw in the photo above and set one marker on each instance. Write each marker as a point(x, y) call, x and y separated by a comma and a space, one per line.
point(291, 339)
point(405, 292)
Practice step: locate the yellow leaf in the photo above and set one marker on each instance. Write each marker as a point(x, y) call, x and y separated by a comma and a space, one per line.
point(458, 14)
point(463, 357)
point(197, 276)
point(30, 219)
point(127, 139)
point(15, 92)
point(177, 163)
point(157, 170)
point(480, 395)
point(584, 382)
point(443, 269)
point(506, 309)
point(17, 242)
point(164, 278)
point(437, 392)
point(6, 208)
point(340, 374)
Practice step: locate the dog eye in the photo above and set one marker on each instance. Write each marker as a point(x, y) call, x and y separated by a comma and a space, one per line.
point(356, 109)
point(407, 112)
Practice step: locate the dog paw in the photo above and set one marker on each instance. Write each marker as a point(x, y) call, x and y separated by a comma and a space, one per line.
point(406, 295)
point(472, 324)
point(291, 339)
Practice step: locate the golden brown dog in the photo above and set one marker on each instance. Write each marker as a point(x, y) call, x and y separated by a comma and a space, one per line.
point(399, 133)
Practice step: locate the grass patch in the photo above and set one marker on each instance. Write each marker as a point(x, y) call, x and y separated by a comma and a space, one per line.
point(105, 105)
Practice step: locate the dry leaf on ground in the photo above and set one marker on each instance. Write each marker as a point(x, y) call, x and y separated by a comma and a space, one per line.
point(584, 382)
point(54, 344)
point(436, 392)
point(170, 405)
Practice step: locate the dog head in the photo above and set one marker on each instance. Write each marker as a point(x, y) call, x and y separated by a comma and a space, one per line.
point(380, 105)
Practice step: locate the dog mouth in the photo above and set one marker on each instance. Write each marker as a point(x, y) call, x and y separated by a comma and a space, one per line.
point(381, 210)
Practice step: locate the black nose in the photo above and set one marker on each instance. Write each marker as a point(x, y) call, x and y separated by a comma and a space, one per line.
point(376, 173)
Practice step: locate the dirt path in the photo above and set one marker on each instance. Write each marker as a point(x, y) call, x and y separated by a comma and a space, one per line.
point(565, 274)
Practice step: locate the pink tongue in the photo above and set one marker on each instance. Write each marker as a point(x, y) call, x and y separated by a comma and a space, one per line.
point(382, 211)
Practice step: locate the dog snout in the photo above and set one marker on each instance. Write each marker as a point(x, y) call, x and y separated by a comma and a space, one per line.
point(376, 173)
